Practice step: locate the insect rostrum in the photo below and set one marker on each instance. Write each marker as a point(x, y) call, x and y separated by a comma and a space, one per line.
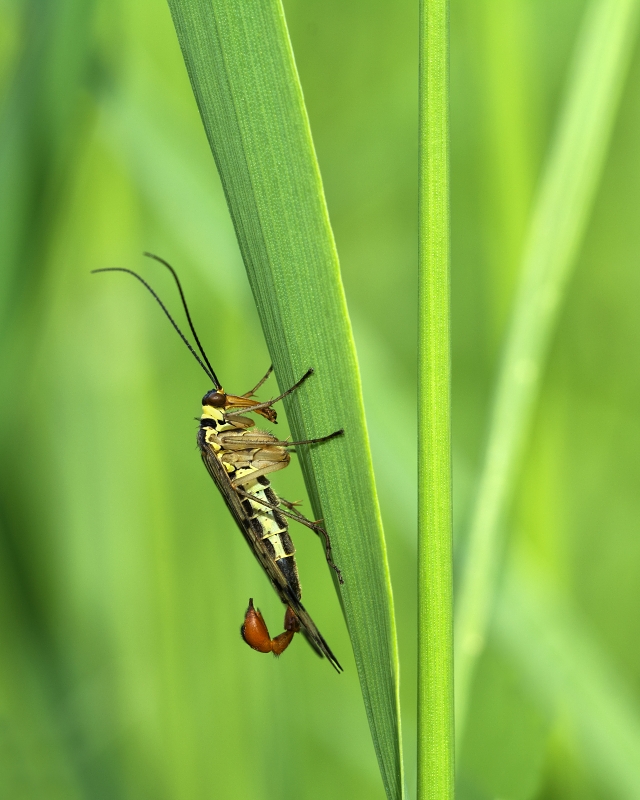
point(239, 458)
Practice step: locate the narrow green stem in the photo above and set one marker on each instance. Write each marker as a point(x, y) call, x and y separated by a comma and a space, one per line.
point(435, 597)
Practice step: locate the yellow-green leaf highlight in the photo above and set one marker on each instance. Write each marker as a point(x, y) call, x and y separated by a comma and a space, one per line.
point(435, 556)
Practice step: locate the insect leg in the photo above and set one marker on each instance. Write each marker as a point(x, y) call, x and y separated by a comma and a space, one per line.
point(233, 440)
point(258, 473)
point(317, 529)
point(255, 441)
point(292, 505)
point(269, 403)
point(313, 441)
point(291, 626)
point(259, 384)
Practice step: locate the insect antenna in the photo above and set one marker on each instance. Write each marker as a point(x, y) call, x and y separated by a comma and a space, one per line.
point(186, 311)
point(207, 369)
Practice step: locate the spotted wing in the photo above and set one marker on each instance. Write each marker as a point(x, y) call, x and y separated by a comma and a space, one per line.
point(258, 548)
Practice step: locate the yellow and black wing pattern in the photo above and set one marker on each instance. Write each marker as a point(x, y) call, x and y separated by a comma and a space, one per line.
point(286, 586)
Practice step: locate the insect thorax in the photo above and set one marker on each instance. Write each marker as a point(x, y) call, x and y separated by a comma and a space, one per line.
point(215, 418)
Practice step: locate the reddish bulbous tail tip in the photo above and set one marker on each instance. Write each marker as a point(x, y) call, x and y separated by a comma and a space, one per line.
point(254, 630)
point(256, 634)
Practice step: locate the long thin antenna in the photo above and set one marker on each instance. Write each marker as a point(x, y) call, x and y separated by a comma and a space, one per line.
point(208, 371)
point(186, 308)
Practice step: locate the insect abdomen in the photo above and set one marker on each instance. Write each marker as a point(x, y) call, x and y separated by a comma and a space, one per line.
point(272, 528)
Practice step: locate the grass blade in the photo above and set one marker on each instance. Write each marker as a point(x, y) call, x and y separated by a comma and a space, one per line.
point(565, 197)
point(566, 668)
point(435, 582)
point(40, 123)
point(243, 75)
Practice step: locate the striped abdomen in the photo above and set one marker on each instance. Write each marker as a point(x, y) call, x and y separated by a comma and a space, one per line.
point(271, 526)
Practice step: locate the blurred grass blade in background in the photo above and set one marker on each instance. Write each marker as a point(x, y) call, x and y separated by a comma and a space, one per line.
point(560, 214)
point(435, 578)
point(40, 123)
point(567, 669)
point(35, 754)
point(243, 75)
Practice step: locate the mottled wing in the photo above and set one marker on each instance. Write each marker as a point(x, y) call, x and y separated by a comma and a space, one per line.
point(258, 548)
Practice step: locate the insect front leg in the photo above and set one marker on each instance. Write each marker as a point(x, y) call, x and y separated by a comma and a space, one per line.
point(259, 384)
point(269, 403)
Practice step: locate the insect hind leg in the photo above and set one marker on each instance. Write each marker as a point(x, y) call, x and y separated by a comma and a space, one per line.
point(317, 529)
point(293, 507)
point(300, 518)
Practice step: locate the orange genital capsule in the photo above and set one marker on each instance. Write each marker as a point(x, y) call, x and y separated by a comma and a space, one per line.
point(256, 634)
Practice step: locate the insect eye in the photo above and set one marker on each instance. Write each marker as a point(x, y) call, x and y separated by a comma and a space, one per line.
point(215, 398)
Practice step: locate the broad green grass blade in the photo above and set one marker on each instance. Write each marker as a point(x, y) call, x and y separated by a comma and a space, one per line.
point(242, 71)
point(569, 181)
point(435, 574)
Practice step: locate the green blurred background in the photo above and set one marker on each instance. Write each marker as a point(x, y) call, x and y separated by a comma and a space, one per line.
point(122, 578)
